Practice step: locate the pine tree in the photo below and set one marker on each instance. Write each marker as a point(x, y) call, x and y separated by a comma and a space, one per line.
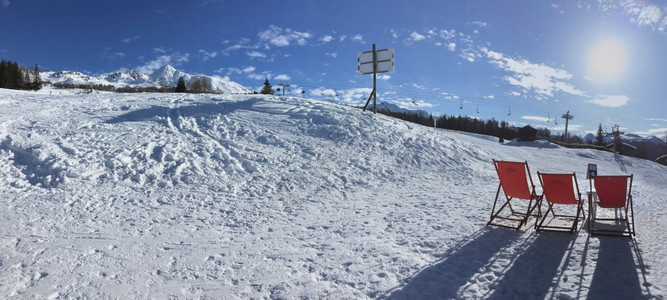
point(599, 138)
point(37, 82)
point(267, 90)
point(3, 70)
point(180, 86)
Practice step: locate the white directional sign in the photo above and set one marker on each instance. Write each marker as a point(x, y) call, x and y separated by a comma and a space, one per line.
point(385, 61)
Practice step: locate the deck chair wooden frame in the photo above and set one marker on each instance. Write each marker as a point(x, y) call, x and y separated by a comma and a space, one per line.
point(516, 183)
point(560, 189)
point(612, 192)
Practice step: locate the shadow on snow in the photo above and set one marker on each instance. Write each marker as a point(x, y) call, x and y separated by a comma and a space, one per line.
point(155, 111)
point(536, 270)
point(445, 278)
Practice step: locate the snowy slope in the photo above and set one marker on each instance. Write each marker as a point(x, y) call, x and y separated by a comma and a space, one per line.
point(165, 76)
point(219, 196)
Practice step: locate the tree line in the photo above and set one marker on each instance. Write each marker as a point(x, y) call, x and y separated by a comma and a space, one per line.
point(13, 76)
point(504, 131)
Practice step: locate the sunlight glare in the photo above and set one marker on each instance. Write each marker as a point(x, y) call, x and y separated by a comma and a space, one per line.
point(607, 61)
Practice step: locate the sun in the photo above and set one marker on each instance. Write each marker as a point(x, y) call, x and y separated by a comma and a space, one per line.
point(607, 61)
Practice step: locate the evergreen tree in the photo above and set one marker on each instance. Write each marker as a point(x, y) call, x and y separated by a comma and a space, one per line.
point(37, 82)
point(3, 69)
point(267, 90)
point(180, 86)
point(599, 138)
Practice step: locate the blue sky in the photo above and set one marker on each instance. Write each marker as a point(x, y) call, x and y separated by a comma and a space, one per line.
point(526, 62)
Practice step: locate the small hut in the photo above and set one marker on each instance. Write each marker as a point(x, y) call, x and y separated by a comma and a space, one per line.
point(527, 134)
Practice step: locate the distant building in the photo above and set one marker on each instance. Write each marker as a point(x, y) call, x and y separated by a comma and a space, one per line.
point(527, 134)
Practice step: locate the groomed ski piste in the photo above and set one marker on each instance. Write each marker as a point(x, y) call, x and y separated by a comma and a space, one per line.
point(134, 196)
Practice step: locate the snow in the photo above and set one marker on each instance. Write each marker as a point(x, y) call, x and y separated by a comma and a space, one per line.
point(109, 195)
point(165, 76)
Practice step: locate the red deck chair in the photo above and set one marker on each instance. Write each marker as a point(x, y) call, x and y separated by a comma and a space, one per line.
point(561, 189)
point(516, 183)
point(611, 192)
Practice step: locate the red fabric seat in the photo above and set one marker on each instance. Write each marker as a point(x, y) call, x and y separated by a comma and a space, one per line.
point(561, 189)
point(516, 183)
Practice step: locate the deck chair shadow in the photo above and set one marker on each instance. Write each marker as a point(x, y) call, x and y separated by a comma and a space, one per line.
point(559, 190)
point(516, 183)
point(610, 206)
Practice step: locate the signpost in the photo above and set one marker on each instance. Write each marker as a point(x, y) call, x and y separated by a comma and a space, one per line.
point(373, 62)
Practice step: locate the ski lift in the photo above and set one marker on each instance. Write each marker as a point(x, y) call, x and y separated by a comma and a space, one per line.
point(548, 118)
point(509, 110)
point(477, 108)
point(460, 104)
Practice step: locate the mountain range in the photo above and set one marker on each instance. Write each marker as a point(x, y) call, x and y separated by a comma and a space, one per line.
point(164, 76)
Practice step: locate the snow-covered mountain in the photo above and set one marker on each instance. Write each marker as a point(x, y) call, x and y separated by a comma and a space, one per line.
point(165, 76)
point(397, 109)
point(650, 147)
point(168, 76)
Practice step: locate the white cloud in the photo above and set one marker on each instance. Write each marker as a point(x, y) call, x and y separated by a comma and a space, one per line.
point(256, 54)
point(644, 14)
point(162, 60)
point(468, 55)
point(535, 118)
point(417, 37)
point(242, 44)
point(384, 77)
point(447, 34)
point(610, 100)
point(256, 76)
point(327, 38)
point(249, 69)
point(5, 3)
point(130, 39)
point(354, 96)
point(479, 23)
point(282, 77)
point(358, 38)
point(321, 91)
point(206, 55)
point(332, 54)
point(659, 132)
point(641, 13)
point(159, 50)
point(394, 33)
point(541, 79)
point(283, 37)
point(451, 47)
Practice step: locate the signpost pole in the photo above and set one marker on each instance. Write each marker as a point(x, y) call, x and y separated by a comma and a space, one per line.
point(375, 68)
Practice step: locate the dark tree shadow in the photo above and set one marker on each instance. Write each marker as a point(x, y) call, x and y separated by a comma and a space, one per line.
point(533, 272)
point(616, 273)
point(445, 278)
